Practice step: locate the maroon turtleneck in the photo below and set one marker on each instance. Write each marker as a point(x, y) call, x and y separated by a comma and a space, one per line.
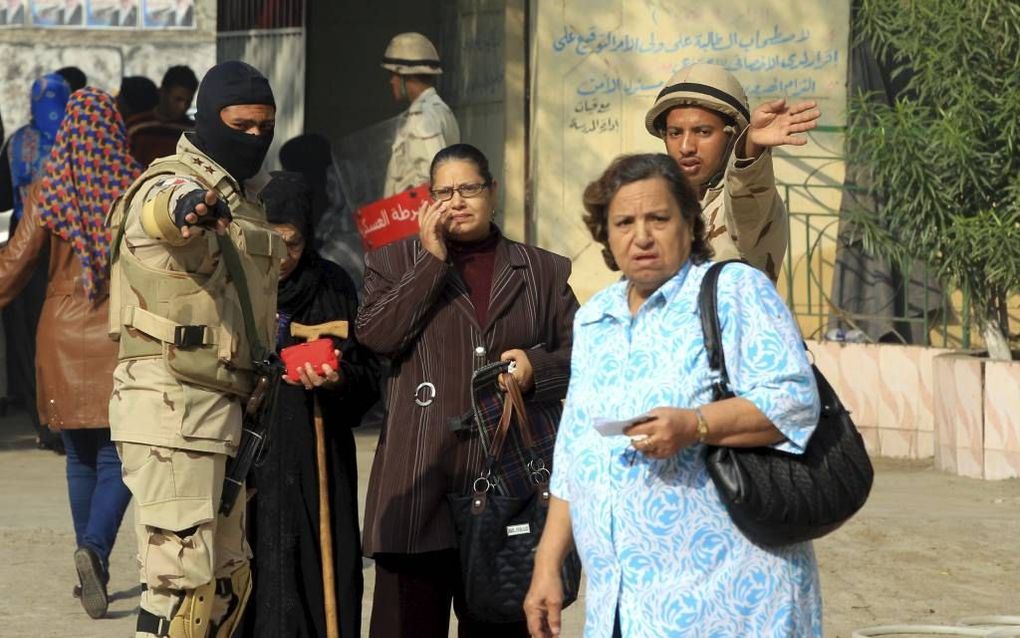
point(474, 262)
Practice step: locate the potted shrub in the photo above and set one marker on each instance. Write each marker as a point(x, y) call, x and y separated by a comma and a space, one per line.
point(944, 157)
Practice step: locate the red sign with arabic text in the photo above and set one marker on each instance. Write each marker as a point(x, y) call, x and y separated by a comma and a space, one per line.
point(388, 220)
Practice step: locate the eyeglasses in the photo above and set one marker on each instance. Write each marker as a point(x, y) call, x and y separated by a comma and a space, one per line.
point(465, 191)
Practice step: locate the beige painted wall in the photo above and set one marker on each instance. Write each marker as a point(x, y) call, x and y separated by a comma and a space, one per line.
point(598, 65)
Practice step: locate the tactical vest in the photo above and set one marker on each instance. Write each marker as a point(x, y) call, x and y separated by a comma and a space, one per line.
point(195, 322)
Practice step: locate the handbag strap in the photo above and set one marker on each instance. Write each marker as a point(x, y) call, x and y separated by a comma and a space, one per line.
point(513, 402)
point(712, 331)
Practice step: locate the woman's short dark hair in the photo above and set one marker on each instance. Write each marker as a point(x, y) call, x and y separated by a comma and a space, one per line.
point(464, 153)
point(627, 169)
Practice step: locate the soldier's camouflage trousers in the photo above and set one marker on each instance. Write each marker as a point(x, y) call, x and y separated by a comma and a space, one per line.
point(183, 546)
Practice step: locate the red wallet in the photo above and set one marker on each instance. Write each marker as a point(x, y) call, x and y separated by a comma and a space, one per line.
point(319, 352)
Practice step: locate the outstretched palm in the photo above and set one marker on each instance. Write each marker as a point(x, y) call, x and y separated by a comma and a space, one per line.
point(775, 124)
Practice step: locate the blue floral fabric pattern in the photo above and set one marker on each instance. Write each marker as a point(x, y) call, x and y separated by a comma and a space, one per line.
point(654, 537)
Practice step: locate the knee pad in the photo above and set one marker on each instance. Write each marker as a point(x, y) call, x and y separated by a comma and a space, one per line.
point(192, 619)
point(237, 589)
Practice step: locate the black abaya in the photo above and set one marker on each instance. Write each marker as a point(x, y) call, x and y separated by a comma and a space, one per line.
point(284, 515)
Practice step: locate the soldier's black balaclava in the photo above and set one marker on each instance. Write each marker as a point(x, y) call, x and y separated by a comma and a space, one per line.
point(228, 84)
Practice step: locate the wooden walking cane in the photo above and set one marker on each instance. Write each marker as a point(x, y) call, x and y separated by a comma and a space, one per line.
point(311, 333)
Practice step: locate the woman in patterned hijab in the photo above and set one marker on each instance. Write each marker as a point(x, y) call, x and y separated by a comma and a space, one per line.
point(87, 169)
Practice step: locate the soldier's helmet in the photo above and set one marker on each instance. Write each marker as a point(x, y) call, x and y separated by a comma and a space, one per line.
point(709, 86)
point(411, 54)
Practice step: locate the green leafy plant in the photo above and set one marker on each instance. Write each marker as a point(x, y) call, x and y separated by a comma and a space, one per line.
point(944, 158)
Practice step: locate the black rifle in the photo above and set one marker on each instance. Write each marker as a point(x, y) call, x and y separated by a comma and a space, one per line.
point(258, 418)
point(267, 370)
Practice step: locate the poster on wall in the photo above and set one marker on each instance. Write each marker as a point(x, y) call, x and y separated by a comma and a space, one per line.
point(57, 13)
point(12, 13)
point(112, 13)
point(168, 14)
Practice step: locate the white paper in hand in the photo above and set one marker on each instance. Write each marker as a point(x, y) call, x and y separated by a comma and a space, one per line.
point(605, 427)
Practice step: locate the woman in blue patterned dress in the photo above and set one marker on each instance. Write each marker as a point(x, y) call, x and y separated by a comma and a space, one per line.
point(661, 554)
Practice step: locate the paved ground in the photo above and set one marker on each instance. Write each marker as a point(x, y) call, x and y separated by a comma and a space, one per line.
point(928, 547)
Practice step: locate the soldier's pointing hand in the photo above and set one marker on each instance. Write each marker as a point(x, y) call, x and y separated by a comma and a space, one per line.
point(199, 210)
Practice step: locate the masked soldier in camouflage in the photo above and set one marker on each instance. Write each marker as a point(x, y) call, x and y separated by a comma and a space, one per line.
point(185, 363)
point(724, 149)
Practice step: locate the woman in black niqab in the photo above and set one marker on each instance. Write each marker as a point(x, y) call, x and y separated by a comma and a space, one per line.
point(284, 515)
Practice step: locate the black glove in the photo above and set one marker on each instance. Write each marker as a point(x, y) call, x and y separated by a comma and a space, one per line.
point(187, 203)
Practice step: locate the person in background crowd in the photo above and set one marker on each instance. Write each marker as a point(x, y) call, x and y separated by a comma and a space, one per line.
point(458, 296)
point(88, 168)
point(725, 151)
point(30, 145)
point(334, 231)
point(137, 97)
point(428, 125)
point(176, 92)
point(310, 154)
point(284, 517)
point(173, 292)
point(22, 165)
point(662, 556)
point(75, 77)
point(155, 131)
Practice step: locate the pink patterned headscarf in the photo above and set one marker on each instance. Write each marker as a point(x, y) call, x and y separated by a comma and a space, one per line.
point(88, 168)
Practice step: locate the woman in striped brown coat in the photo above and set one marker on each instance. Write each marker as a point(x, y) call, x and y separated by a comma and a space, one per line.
point(439, 305)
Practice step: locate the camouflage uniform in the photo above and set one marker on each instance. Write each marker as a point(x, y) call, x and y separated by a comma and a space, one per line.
point(176, 408)
point(744, 215)
point(426, 127)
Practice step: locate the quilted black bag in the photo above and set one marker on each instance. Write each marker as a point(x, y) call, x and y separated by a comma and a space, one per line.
point(498, 532)
point(778, 498)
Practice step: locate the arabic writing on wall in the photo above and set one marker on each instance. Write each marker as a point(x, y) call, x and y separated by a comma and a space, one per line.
point(594, 115)
point(604, 84)
point(789, 59)
point(595, 42)
point(475, 65)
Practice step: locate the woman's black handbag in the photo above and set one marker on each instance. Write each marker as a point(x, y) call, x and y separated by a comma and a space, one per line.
point(498, 532)
point(778, 498)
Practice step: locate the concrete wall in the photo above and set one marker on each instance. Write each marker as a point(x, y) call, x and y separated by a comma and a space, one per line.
point(105, 55)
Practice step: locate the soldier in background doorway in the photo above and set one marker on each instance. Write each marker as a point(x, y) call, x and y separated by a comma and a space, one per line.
point(428, 125)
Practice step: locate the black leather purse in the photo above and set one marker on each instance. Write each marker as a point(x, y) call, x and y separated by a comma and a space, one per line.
point(497, 532)
point(778, 498)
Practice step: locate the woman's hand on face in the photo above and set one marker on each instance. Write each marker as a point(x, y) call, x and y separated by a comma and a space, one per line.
point(310, 379)
point(544, 603)
point(666, 433)
point(432, 221)
point(522, 370)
